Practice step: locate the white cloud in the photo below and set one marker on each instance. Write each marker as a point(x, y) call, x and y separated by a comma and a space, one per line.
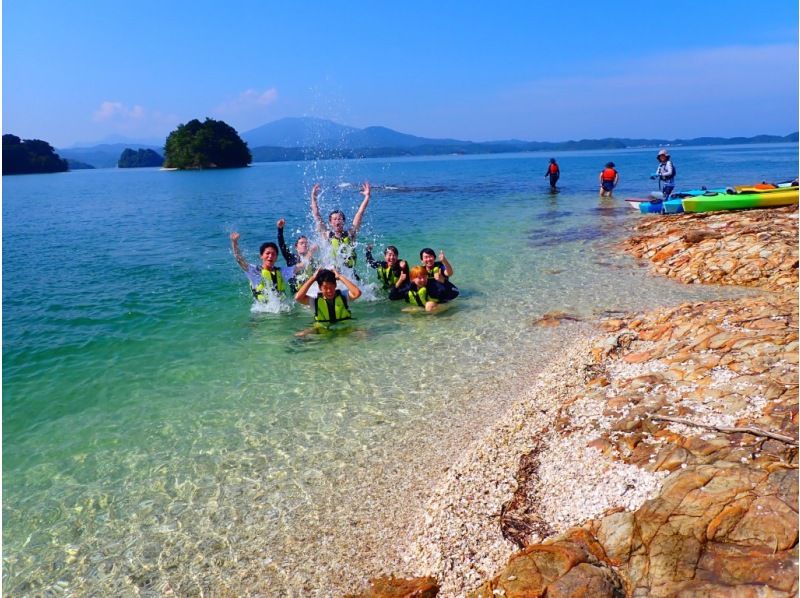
point(118, 117)
point(248, 101)
point(117, 111)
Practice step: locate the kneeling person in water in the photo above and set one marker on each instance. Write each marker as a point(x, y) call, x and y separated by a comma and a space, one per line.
point(330, 304)
point(440, 270)
point(418, 289)
point(266, 277)
point(390, 269)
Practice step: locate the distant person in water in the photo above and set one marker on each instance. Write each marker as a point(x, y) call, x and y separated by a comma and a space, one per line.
point(330, 304)
point(303, 255)
point(609, 179)
point(554, 172)
point(418, 290)
point(390, 268)
point(267, 277)
point(665, 173)
point(342, 241)
point(441, 271)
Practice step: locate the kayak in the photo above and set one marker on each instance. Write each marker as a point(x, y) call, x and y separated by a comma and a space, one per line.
point(711, 202)
point(764, 186)
point(671, 206)
point(658, 195)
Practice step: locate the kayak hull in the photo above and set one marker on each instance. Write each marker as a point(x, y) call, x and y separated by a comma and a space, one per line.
point(743, 201)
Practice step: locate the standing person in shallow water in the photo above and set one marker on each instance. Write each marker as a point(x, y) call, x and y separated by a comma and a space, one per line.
point(303, 255)
point(665, 173)
point(390, 269)
point(266, 276)
point(609, 179)
point(554, 172)
point(342, 241)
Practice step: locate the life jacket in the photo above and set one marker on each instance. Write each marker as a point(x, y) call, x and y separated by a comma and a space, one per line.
point(387, 275)
point(419, 296)
point(349, 253)
point(322, 311)
point(437, 267)
point(274, 279)
point(662, 167)
point(553, 169)
point(609, 174)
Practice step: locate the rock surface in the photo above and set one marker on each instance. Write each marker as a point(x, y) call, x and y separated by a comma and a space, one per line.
point(613, 496)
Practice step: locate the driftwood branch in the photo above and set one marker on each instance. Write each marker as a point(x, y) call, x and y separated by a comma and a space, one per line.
point(726, 429)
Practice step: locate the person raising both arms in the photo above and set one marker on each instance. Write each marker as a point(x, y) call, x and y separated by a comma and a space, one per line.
point(330, 304)
point(342, 241)
point(266, 278)
point(390, 268)
point(609, 179)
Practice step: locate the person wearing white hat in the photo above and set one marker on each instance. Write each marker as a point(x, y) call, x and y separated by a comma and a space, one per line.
point(665, 173)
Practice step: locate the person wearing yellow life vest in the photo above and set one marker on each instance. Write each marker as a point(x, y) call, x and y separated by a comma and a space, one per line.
point(342, 241)
point(609, 179)
point(441, 270)
point(417, 289)
point(389, 270)
point(330, 304)
point(266, 278)
point(303, 255)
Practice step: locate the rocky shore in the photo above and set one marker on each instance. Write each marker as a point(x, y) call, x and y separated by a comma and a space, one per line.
point(658, 459)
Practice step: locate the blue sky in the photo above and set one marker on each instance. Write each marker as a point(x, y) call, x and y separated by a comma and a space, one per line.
point(82, 71)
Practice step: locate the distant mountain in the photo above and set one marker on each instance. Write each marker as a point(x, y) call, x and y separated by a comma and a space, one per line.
point(315, 138)
point(120, 139)
point(297, 132)
point(75, 165)
point(325, 134)
point(103, 156)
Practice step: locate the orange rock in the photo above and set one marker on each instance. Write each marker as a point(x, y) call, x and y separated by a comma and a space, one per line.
point(392, 587)
point(637, 357)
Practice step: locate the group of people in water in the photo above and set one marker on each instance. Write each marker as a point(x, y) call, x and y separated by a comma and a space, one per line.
point(425, 286)
point(609, 176)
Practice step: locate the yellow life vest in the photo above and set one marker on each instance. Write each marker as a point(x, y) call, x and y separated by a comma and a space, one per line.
point(274, 279)
point(322, 311)
point(419, 297)
point(349, 253)
point(387, 276)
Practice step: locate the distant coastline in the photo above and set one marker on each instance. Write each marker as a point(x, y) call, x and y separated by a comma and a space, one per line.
point(290, 154)
point(303, 139)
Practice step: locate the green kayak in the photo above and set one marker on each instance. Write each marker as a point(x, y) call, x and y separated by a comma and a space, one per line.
point(711, 202)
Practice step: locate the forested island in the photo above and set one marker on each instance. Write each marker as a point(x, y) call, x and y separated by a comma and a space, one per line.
point(210, 144)
point(142, 158)
point(30, 156)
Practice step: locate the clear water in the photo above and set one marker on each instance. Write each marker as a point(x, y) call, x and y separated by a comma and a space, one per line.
point(153, 422)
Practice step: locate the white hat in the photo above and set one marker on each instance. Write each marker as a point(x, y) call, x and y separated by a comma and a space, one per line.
point(663, 152)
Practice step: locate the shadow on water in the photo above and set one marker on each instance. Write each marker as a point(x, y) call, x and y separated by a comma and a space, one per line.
point(554, 215)
point(610, 209)
point(545, 237)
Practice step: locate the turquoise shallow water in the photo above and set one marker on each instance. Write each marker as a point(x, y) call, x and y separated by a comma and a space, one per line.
point(146, 406)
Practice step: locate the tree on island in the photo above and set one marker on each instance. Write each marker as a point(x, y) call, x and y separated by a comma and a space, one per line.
point(30, 156)
point(212, 144)
point(139, 159)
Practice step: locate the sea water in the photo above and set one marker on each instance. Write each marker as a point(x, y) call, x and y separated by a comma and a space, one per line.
point(155, 424)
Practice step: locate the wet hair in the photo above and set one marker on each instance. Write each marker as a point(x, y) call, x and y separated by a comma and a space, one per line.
point(427, 250)
point(326, 276)
point(391, 248)
point(417, 271)
point(298, 239)
point(610, 165)
point(552, 160)
point(337, 212)
point(265, 246)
